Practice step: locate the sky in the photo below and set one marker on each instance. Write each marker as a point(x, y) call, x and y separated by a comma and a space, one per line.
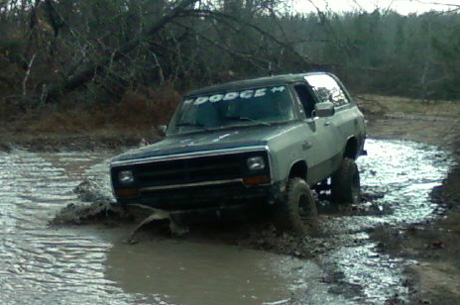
point(403, 7)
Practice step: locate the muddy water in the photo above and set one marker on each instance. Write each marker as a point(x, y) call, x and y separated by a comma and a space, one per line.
point(39, 265)
point(93, 264)
point(196, 273)
point(400, 176)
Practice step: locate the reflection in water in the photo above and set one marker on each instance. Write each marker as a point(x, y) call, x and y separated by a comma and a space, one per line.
point(187, 272)
point(87, 265)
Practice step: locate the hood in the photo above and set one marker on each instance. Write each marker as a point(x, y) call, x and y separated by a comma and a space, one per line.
point(240, 137)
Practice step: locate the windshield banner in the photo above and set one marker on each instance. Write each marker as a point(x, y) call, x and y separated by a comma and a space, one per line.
point(234, 95)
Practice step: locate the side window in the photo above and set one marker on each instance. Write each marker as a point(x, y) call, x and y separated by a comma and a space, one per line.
point(305, 97)
point(327, 89)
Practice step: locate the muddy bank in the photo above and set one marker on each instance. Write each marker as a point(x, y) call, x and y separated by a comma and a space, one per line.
point(106, 139)
point(435, 278)
point(431, 130)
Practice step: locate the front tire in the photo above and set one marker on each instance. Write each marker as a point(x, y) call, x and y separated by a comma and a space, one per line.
point(297, 213)
point(346, 185)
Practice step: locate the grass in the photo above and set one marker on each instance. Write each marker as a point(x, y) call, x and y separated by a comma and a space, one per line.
point(393, 104)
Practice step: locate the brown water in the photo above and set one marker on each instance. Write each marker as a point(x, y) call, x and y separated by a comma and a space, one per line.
point(194, 273)
point(93, 264)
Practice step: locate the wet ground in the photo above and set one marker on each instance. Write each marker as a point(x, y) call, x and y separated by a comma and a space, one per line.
point(93, 264)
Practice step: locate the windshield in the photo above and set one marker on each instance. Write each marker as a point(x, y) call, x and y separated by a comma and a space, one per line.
point(256, 106)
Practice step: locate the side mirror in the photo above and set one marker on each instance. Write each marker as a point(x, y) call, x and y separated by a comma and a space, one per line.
point(323, 110)
point(162, 129)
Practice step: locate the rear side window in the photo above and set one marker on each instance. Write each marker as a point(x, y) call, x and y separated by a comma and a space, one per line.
point(327, 89)
point(305, 97)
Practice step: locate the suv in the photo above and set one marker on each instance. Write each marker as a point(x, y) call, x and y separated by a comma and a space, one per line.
point(254, 143)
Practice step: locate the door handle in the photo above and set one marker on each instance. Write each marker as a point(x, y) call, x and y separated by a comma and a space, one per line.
point(327, 123)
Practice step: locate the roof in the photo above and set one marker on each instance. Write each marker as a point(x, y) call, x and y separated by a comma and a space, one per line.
point(253, 83)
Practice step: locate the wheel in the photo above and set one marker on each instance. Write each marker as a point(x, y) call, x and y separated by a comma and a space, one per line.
point(346, 187)
point(297, 213)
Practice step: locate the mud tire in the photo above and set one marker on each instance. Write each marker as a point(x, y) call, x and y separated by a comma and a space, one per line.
point(297, 213)
point(345, 183)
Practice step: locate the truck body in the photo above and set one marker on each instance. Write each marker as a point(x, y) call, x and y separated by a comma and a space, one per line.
point(240, 143)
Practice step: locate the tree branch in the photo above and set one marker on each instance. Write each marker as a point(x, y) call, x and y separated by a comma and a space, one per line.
point(217, 15)
point(26, 77)
point(98, 67)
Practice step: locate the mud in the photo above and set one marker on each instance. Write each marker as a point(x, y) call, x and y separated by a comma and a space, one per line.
point(434, 245)
point(63, 242)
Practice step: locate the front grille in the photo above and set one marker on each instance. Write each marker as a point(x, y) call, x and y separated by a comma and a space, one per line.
point(193, 170)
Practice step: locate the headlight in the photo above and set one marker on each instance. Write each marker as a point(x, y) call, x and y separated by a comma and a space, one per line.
point(256, 163)
point(125, 177)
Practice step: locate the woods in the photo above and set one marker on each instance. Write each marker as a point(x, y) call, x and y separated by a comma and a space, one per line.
point(97, 51)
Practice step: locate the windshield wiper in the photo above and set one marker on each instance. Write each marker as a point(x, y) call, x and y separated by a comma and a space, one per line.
point(193, 124)
point(246, 119)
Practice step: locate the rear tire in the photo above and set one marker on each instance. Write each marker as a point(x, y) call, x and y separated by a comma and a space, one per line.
point(297, 213)
point(346, 186)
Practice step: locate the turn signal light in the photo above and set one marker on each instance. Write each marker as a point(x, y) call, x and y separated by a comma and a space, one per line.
point(256, 180)
point(126, 193)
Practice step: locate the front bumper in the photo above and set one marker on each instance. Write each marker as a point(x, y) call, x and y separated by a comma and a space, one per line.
point(205, 196)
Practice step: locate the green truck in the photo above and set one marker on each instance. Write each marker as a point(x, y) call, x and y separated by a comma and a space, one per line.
point(253, 144)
